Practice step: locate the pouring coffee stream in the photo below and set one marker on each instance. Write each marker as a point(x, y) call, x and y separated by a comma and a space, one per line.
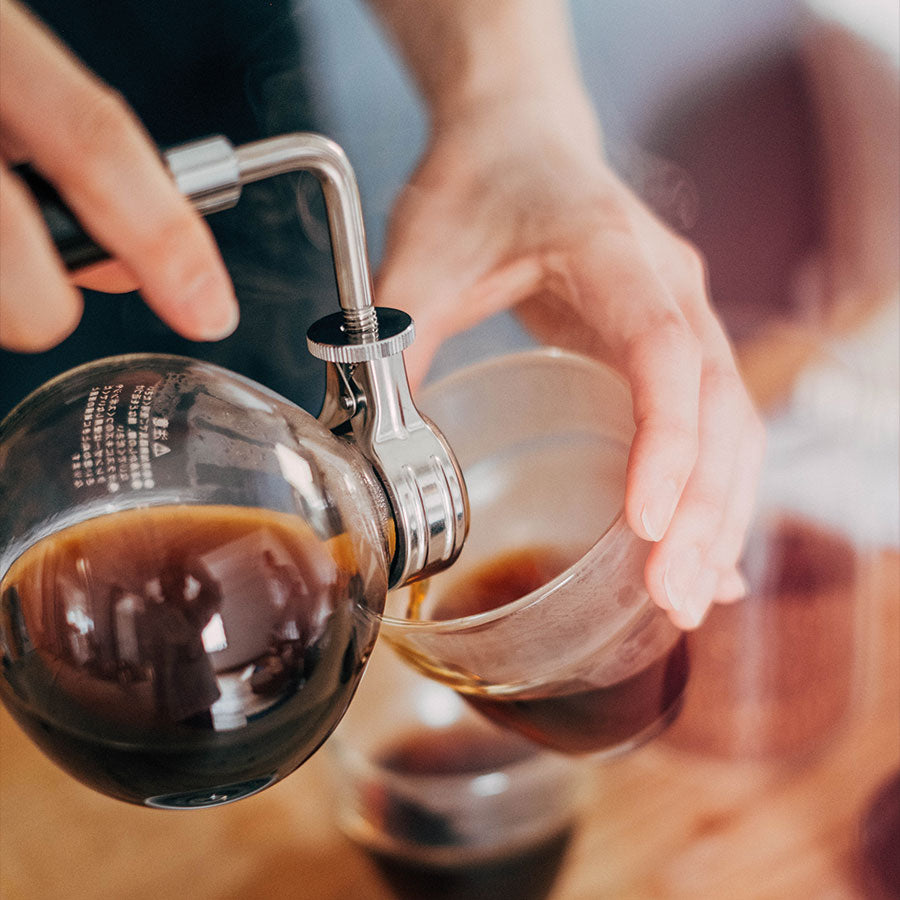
point(192, 569)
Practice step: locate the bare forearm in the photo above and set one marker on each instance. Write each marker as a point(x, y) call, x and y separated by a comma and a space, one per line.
point(468, 53)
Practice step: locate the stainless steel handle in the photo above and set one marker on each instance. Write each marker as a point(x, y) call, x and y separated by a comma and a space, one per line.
point(368, 399)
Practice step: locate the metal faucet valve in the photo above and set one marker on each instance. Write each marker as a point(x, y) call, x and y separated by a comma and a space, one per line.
point(368, 400)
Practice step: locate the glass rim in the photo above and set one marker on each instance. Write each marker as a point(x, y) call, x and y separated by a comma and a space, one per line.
point(540, 761)
point(541, 354)
point(464, 623)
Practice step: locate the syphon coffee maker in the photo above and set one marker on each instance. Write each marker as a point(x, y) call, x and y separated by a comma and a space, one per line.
point(192, 569)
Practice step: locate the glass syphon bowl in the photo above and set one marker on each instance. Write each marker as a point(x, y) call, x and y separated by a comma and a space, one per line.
point(192, 575)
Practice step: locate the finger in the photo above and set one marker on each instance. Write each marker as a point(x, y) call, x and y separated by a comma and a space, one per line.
point(446, 282)
point(406, 282)
point(731, 587)
point(488, 296)
point(40, 308)
point(740, 495)
point(87, 142)
point(738, 514)
point(726, 551)
point(648, 338)
point(703, 586)
point(663, 369)
point(682, 569)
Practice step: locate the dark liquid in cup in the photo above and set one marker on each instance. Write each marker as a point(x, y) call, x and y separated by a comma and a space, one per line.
point(590, 719)
point(525, 872)
point(570, 716)
point(183, 655)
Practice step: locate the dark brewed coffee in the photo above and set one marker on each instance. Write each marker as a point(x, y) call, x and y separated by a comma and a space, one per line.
point(572, 716)
point(184, 655)
point(503, 579)
point(526, 871)
point(527, 874)
point(575, 717)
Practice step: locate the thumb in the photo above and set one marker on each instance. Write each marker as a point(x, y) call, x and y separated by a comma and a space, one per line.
point(405, 281)
point(444, 300)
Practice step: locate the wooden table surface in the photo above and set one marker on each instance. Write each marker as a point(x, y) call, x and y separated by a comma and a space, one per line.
point(661, 822)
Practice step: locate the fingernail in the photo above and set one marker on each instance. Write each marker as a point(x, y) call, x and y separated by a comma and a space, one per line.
point(659, 509)
point(213, 306)
point(679, 578)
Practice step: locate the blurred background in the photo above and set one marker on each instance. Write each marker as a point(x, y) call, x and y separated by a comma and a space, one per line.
point(767, 132)
point(636, 59)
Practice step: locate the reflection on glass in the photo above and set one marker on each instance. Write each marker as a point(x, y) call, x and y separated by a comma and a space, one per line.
point(180, 633)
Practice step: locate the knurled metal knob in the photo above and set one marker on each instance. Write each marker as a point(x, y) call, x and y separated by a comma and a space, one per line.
point(330, 339)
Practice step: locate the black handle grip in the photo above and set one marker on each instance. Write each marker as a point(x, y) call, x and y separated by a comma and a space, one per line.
point(76, 247)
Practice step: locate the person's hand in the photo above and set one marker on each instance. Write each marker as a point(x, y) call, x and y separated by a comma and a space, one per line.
point(514, 204)
point(82, 137)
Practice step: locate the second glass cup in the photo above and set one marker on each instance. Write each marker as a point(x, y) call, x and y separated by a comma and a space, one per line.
point(544, 623)
point(446, 805)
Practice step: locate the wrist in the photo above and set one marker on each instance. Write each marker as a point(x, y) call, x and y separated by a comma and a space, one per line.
point(518, 56)
point(475, 57)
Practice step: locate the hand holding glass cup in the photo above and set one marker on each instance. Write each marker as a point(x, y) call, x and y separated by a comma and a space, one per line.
point(544, 623)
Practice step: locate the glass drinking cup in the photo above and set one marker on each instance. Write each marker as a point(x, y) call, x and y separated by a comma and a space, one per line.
point(544, 623)
point(447, 805)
